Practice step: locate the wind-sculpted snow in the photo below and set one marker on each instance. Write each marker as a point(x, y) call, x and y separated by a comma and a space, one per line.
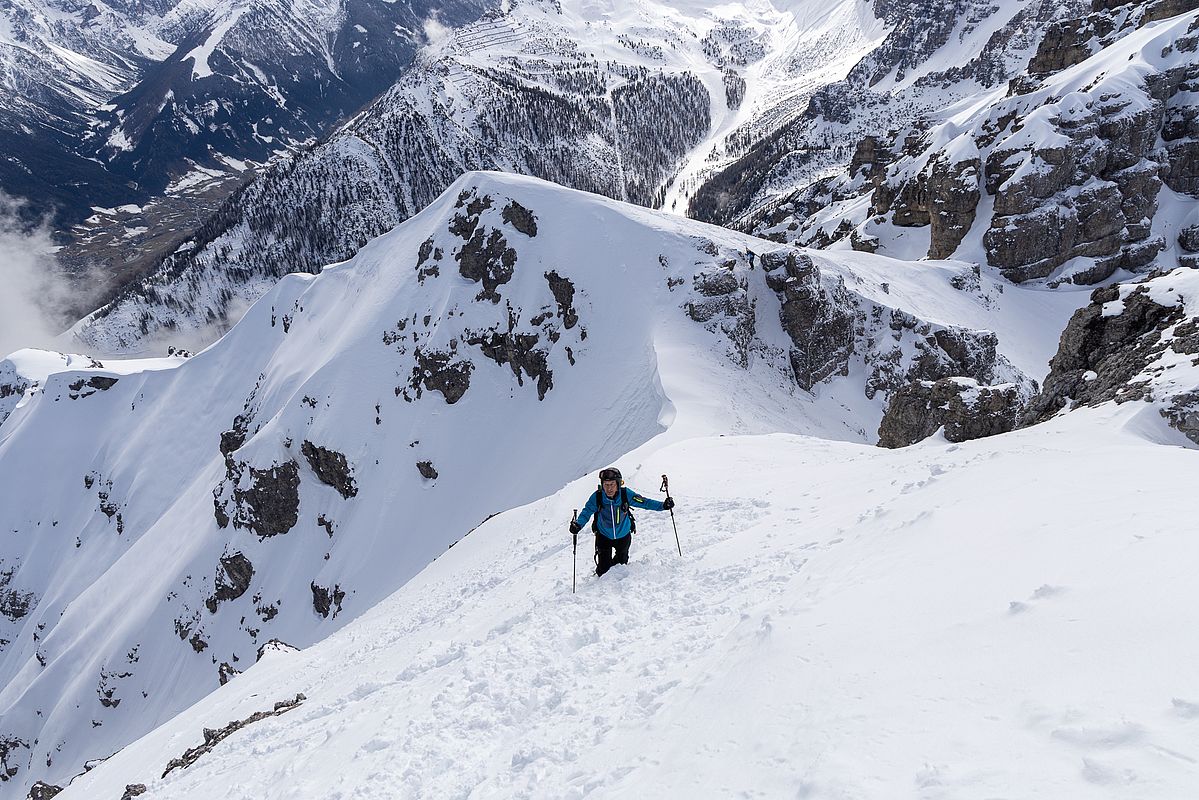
point(166, 518)
point(843, 622)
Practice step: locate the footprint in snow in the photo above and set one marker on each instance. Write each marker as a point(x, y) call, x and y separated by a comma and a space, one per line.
point(1185, 708)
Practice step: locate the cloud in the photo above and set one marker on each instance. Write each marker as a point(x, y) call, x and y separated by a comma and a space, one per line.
point(435, 32)
point(30, 281)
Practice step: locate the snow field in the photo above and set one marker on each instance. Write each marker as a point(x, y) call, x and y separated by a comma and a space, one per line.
point(1007, 617)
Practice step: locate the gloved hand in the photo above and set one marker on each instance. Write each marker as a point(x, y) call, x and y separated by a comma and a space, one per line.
point(575, 527)
point(668, 503)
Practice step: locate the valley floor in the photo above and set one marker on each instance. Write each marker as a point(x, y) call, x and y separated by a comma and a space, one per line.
point(1010, 617)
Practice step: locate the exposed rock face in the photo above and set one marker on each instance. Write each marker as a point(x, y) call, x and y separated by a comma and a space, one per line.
point(520, 352)
point(964, 408)
point(564, 294)
point(724, 303)
point(325, 600)
point(232, 580)
point(14, 603)
point(1183, 414)
point(438, 371)
point(212, 737)
point(829, 326)
point(86, 387)
point(10, 756)
point(331, 468)
point(1132, 342)
point(1074, 169)
point(427, 471)
point(1099, 354)
point(13, 386)
point(133, 790)
point(486, 257)
point(269, 507)
point(520, 218)
point(43, 791)
point(953, 199)
point(819, 320)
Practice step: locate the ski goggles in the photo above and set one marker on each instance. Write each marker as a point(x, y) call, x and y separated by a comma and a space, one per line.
point(610, 474)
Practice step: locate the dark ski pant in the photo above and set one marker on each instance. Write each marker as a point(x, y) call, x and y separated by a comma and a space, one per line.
point(604, 555)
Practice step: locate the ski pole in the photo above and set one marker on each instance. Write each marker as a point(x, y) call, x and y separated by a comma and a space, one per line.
point(574, 566)
point(666, 488)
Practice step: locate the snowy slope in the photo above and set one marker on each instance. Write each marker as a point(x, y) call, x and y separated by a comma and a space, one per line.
point(844, 622)
point(166, 519)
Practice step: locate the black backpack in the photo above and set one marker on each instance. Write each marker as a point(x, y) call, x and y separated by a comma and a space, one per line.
point(624, 509)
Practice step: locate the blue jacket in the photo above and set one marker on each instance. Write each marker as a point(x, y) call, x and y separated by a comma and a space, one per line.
point(611, 521)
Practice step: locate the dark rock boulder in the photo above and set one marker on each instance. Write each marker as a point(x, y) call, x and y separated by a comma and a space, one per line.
point(438, 371)
point(43, 791)
point(326, 600)
point(232, 580)
point(427, 471)
point(87, 387)
point(520, 218)
point(564, 294)
point(331, 468)
point(268, 507)
point(963, 407)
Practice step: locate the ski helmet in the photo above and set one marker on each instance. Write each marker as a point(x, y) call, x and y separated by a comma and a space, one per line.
point(611, 474)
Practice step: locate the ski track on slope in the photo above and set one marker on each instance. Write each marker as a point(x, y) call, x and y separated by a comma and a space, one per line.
point(852, 623)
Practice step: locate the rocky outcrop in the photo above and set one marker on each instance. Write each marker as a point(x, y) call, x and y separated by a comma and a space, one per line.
point(520, 218)
point(1132, 342)
point(86, 387)
point(269, 506)
point(213, 737)
point(13, 386)
point(818, 319)
point(326, 600)
point(831, 327)
point(723, 304)
point(963, 407)
point(953, 202)
point(14, 604)
point(43, 791)
point(427, 470)
point(232, 580)
point(331, 468)
point(564, 295)
point(438, 371)
point(520, 352)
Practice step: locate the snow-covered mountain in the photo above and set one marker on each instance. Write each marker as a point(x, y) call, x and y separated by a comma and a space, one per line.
point(166, 519)
point(633, 100)
point(135, 119)
point(910, 128)
point(1076, 167)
